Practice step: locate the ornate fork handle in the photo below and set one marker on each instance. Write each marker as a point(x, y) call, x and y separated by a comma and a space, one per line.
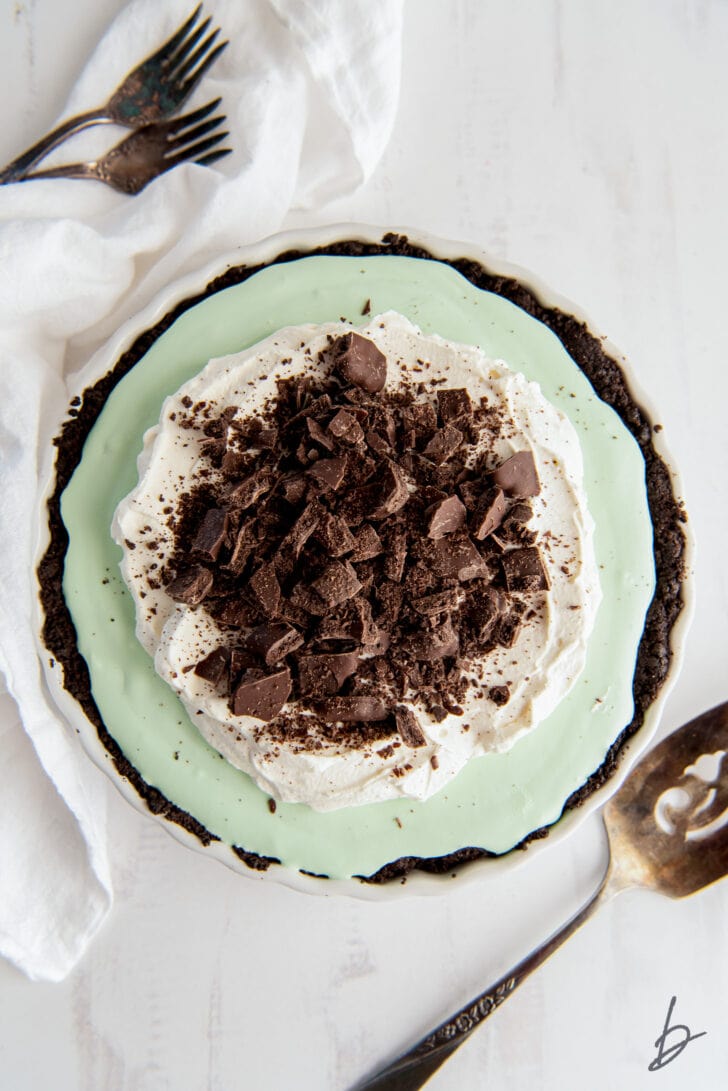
point(14, 171)
point(414, 1068)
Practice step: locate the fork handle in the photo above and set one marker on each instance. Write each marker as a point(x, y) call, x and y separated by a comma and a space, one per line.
point(414, 1068)
point(15, 171)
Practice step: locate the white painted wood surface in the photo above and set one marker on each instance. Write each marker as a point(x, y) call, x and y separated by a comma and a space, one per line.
point(586, 141)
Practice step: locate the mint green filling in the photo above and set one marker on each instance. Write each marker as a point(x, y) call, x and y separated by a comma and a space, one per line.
point(497, 800)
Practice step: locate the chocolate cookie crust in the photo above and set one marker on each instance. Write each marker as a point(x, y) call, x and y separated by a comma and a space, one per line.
point(608, 381)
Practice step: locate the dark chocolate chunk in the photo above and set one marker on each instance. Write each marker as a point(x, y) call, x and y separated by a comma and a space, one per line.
point(273, 642)
point(439, 603)
point(211, 534)
point(262, 698)
point(317, 434)
point(265, 589)
point(335, 536)
point(439, 644)
point(246, 493)
point(346, 428)
point(245, 544)
point(303, 528)
point(391, 490)
point(293, 488)
point(191, 586)
point(517, 476)
point(410, 731)
point(337, 583)
point(396, 555)
point(214, 667)
point(329, 471)
point(359, 361)
point(489, 513)
point(368, 544)
point(457, 558)
point(443, 444)
point(324, 675)
point(420, 418)
point(454, 405)
point(524, 570)
point(350, 710)
point(445, 516)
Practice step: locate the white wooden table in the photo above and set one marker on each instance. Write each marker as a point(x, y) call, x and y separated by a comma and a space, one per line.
point(588, 142)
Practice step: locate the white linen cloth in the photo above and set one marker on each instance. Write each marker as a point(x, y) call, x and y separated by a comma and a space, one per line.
point(310, 90)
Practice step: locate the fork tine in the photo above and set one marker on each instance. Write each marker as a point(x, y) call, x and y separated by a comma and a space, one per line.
point(172, 43)
point(187, 46)
point(199, 130)
point(212, 157)
point(188, 62)
point(194, 150)
point(186, 120)
point(191, 82)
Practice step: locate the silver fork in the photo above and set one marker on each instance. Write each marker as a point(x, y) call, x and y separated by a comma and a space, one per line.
point(151, 92)
point(149, 152)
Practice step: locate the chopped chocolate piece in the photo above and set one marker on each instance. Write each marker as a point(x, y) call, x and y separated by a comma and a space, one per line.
point(214, 666)
point(524, 570)
point(265, 589)
point(317, 434)
point(392, 491)
point(488, 514)
point(245, 544)
point(350, 710)
point(273, 642)
point(329, 471)
point(263, 698)
point(337, 583)
point(191, 586)
point(377, 444)
point(454, 405)
point(303, 528)
point(508, 627)
point(346, 428)
point(445, 516)
point(471, 492)
point(440, 603)
point(368, 544)
point(324, 675)
point(396, 556)
point(234, 463)
point(517, 476)
point(245, 494)
point(421, 418)
point(211, 534)
point(426, 646)
point(335, 536)
point(293, 488)
point(410, 731)
point(499, 695)
point(443, 444)
point(458, 558)
point(484, 607)
point(305, 598)
point(359, 361)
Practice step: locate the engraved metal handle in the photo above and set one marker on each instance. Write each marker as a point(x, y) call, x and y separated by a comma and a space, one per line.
point(414, 1068)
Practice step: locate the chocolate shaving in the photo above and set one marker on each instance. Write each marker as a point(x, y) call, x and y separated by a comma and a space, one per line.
point(211, 534)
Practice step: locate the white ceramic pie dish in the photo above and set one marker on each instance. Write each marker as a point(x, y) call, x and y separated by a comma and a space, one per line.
point(389, 845)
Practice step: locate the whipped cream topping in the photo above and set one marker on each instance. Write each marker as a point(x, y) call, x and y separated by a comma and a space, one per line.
point(538, 669)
